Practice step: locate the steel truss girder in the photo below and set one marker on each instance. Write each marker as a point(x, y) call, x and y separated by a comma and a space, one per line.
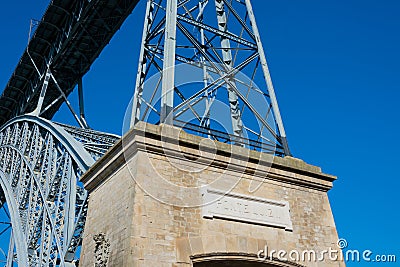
point(40, 166)
point(60, 40)
point(225, 49)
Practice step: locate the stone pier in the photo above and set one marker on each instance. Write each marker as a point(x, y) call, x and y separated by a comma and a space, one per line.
point(163, 197)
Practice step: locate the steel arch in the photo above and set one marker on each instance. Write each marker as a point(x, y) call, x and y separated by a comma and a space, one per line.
point(40, 166)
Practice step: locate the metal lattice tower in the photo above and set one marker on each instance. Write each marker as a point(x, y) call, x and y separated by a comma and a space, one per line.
point(202, 67)
point(217, 40)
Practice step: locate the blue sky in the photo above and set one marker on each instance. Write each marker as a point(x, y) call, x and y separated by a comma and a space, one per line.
point(335, 67)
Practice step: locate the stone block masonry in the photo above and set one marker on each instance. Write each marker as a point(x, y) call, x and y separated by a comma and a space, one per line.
point(162, 197)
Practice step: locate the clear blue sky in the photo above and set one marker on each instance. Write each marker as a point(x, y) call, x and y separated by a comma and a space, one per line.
point(335, 66)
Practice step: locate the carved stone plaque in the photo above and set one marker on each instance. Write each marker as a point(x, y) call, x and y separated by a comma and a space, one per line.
point(248, 209)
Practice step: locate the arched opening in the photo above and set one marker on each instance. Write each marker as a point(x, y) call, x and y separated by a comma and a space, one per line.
point(232, 263)
point(237, 260)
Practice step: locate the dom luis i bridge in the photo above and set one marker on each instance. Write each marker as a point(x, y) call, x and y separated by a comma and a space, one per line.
point(41, 160)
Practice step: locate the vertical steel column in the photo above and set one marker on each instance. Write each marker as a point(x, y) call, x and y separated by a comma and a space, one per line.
point(168, 73)
point(42, 93)
point(137, 97)
point(205, 121)
point(81, 103)
point(237, 124)
point(268, 79)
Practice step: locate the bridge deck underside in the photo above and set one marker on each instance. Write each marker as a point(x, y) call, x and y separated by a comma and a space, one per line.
point(69, 37)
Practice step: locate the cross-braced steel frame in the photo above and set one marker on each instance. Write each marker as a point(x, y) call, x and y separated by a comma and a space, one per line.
point(40, 166)
point(221, 39)
point(43, 201)
point(41, 161)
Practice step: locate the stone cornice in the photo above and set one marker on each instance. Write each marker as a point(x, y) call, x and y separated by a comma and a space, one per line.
point(164, 139)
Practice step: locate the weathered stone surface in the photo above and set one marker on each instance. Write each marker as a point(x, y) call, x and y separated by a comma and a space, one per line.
point(146, 195)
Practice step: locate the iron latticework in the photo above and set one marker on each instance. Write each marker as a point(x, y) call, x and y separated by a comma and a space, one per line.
point(202, 68)
point(40, 166)
point(218, 40)
point(68, 39)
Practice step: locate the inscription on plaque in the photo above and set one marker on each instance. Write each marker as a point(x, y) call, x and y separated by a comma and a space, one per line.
point(248, 209)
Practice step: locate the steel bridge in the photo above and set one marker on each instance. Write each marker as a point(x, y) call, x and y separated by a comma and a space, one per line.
point(41, 161)
point(69, 38)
